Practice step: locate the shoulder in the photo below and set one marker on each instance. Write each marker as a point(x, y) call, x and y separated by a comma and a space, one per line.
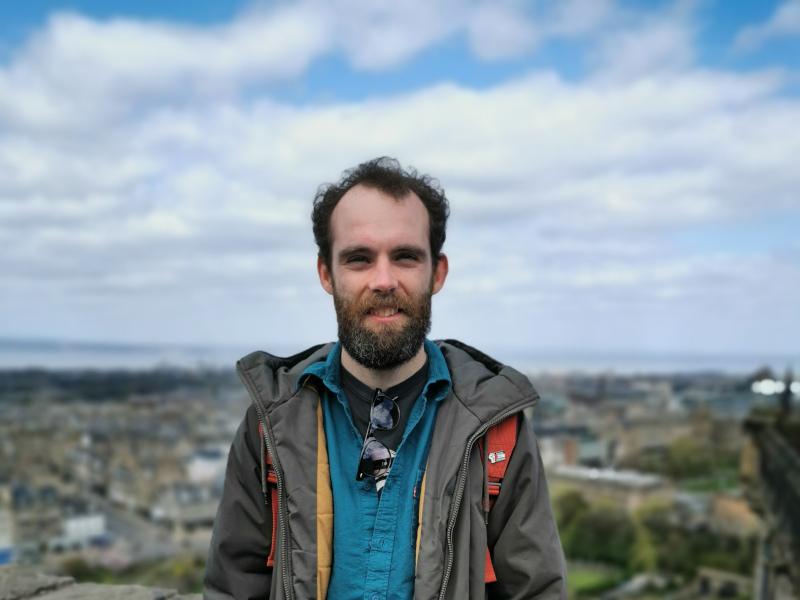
point(271, 378)
point(484, 384)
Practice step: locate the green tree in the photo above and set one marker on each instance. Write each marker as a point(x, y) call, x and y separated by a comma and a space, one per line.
point(644, 556)
point(568, 507)
point(651, 522)
point(687, 457)
point(603, 534)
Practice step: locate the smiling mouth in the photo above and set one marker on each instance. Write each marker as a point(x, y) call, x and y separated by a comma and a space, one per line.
point(384, 312)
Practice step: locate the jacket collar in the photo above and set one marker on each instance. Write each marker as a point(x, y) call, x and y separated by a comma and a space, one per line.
point(328, 372)
point(273, 378)
point(482, 384)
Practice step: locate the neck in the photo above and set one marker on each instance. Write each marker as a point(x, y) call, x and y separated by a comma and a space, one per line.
point(384, 378)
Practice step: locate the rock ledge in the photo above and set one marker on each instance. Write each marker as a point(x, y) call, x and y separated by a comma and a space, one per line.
point(20, 584)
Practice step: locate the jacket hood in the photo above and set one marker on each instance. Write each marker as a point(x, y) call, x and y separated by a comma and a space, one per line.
point(482, 384)
point(275, 378)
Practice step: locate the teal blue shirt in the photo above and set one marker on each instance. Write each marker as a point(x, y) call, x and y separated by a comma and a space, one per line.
point(374, 535)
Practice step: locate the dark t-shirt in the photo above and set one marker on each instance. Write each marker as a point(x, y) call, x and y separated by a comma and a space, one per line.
point(360, 395)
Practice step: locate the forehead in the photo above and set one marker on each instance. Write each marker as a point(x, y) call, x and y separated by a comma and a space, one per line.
point(370, 217)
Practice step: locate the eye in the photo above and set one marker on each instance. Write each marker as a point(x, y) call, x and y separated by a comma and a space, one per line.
point(407, 256)
point(356, 258)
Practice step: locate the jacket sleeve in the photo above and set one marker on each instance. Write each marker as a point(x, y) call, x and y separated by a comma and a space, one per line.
point(522, 534)
point(236, 566)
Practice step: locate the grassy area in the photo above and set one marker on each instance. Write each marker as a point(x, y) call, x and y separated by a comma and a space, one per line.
point(587, 580)
point(720, 481)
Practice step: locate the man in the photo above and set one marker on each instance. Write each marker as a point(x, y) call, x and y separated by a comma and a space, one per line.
point(359, 470)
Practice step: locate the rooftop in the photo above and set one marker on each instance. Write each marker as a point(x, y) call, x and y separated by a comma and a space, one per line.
point(633, 479)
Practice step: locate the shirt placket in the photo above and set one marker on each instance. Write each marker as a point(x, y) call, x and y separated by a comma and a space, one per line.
point(379, 543)
point(382, 542)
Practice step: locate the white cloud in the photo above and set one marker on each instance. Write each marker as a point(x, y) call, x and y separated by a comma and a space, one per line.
point(125, 195)
point(578, 17)
point(574, 160)
point(495, 32)
point(652, 46)
point(784, 22)
point(380, 34)
point(78, 71)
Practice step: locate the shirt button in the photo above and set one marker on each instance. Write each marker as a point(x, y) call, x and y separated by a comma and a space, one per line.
point(375, 597)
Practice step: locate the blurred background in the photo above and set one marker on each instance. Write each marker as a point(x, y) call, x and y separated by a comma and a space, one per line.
point(625, 196)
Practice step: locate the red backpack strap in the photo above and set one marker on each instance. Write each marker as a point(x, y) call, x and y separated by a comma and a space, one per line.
point(500, 442)
point(496, 450)
point(269, 484)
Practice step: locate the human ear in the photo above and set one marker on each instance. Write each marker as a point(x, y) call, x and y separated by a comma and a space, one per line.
point(439, 273)
point(325, 275)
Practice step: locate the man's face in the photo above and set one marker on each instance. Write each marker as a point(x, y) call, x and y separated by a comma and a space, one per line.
point(381, 275)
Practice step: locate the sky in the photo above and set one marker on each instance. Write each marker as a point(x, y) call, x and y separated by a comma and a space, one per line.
point(623, 176)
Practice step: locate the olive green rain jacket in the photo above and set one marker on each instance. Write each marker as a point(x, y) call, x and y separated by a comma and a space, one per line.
point(454, 532)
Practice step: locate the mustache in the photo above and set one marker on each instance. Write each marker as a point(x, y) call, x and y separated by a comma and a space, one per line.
point(385, 301)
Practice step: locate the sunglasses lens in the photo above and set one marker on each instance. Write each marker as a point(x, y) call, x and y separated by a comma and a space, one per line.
point(374, 450)
point(385, 413)
point(375, 459)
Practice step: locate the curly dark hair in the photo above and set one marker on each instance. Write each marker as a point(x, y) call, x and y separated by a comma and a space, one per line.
point(385, 174)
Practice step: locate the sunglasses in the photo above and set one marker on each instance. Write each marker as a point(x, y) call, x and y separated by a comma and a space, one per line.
point(376, 458)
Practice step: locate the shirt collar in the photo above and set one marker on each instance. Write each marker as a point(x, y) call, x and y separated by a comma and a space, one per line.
point(327, 371)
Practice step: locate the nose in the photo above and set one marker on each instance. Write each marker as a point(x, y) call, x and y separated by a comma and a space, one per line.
point(383, 276)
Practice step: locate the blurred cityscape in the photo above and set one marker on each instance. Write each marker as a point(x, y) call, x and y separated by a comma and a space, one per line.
point(667, 485)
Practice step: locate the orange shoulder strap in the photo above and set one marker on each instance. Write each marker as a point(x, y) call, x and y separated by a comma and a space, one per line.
point(499, 445)
point(500, 442)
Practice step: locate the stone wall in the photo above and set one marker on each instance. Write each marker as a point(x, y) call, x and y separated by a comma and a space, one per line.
point(21, 584)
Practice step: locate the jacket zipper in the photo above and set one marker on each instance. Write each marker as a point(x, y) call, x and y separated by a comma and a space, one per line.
point(287, 588)
point(462, 484)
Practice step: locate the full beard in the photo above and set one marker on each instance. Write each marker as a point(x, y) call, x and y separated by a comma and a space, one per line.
point(388, 346)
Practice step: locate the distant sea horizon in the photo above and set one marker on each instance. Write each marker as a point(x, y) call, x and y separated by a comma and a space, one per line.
point(62, 355)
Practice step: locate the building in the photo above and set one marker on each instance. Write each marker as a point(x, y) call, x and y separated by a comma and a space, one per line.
point(627, 489)
point(81, 526)
point(571, 445)
point(188, 511)
point(6, 535)
point(731, 514)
